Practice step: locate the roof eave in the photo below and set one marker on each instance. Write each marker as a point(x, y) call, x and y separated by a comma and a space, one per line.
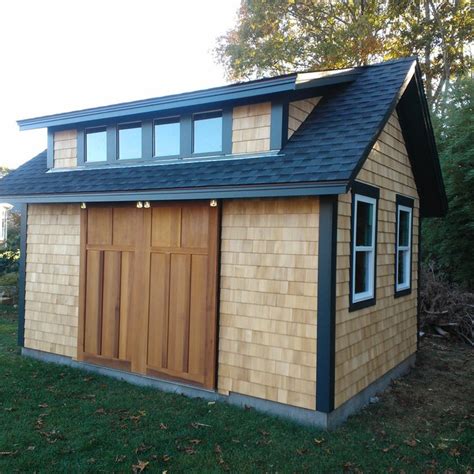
point(216, 192)
point(226, 94)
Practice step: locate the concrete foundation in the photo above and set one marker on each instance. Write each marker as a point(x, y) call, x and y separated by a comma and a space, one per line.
point(301, 415)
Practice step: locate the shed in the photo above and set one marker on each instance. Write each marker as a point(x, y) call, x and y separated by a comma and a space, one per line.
point(256, 243)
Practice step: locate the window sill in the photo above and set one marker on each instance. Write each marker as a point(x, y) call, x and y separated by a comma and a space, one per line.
point(354, 306)
point(400, 293)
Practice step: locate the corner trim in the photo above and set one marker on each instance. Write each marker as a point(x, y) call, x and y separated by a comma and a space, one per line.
point(22, 275)
point(50, 151)
point(326, 315)
point(279, 124)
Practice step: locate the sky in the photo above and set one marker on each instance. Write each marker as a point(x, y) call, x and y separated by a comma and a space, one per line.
point(63, 55)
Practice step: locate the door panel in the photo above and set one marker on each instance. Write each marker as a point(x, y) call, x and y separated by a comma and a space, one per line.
point(111, 305)
point(159, 304)
point(178, 335)
point(149, 279)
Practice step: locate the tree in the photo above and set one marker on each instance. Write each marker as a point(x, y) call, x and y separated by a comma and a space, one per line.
point(451, 238)
point(278, 36)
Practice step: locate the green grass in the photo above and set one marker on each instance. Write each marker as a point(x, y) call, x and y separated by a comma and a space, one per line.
point(54, 418)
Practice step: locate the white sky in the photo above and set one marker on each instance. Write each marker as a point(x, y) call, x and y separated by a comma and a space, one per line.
point(62, 55)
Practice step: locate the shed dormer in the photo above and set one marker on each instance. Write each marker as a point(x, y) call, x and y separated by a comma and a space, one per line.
point(249, 119)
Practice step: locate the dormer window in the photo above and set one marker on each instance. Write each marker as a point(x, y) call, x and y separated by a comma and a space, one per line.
point(207, 132)
point(167, 137)
point(130, 141)
point(96, 145)
point(202, 134)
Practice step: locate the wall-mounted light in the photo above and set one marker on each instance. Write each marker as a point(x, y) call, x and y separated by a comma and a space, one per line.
point(213, 203)
point(83, 205)
point(147, 205)
point(139, 204)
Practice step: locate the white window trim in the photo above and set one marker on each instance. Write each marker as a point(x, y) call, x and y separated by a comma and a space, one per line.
point(406, 285)
point(369, 294)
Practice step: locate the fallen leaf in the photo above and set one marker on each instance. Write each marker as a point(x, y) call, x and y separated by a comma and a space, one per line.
point(120, 458)
point(302, 451)
point(264, 433)
point(189, 450)
point(195, 424)
point(194, 441)
point(163, 426)
point(389, 448)
point(454, 452)
point(140, 467)
point(142, 448)
point(319, 441)
point(100, 411)
point(91, 461)
point(410, 442)
point(211, 403)
point(43, 405)
point(8, 453)
point(217, 449)
point(31, 448)
point(166, 457)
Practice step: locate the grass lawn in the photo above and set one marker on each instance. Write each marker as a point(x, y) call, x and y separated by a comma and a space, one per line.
point(54, 418)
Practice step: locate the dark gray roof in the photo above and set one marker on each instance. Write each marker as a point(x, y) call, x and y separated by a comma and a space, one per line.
point(329, 147)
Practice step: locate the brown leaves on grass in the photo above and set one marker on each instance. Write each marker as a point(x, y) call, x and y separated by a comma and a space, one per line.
point(197, 425)
point(220, 459)
point(142, 449)
point(411, 442)
point(140, 466)
point(163, 426)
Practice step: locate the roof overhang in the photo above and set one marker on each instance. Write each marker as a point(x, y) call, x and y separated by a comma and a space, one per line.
point(217, 192)
point(218, 95)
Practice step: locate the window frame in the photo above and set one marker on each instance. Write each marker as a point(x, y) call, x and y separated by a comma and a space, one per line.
point(148, 140)
point(364, 193)
point(87, 131)
point(128, 126)
point(208, 112)
point(168, 119)
point(405, 204)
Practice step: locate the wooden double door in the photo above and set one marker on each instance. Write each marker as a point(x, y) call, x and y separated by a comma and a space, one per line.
point(148, 294)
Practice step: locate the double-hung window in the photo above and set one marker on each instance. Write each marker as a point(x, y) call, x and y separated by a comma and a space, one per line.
point(364, 246)
point(403, 252)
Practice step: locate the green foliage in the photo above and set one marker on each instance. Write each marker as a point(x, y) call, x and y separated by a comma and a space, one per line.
point(278, 36)
point(59, 419)
point(9, 279)
point(450, 239)
point(10, 252)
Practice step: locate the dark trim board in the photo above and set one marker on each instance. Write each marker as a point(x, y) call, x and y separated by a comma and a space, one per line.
point(50, 151)
point(218, 192)
point(22, 275)
point(326, 316)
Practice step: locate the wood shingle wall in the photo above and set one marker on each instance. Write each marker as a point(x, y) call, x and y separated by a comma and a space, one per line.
point(251, 128)
point(52, 278)
point(298, 111)
point(65, 149)
point(267, 342)
point(371, 341)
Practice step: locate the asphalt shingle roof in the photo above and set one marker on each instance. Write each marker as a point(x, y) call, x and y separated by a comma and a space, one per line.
point(328, 147)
